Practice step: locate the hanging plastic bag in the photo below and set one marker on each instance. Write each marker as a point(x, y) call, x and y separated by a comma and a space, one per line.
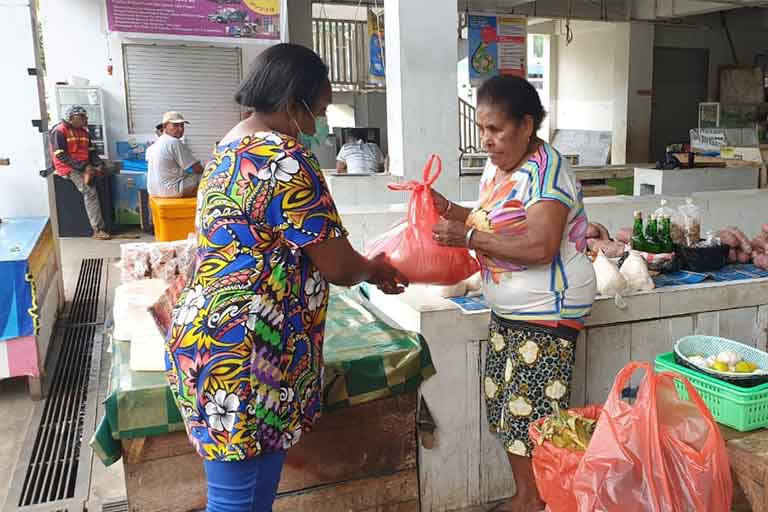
point(410, 246)
point(609, 280)
point(659, 454)
point(555, 467)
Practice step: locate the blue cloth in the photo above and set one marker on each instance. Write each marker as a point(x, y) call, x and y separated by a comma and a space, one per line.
point(246, 486)
point(18, 237)
point(727, 273)
point(135, 165)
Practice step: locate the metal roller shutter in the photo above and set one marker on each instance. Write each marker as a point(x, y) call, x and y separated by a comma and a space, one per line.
point(198, 82)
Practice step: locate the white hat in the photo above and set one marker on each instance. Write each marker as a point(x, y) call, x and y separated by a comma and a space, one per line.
point(174, 117)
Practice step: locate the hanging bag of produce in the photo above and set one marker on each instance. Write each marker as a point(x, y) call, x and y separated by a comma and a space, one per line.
point(661, 453)
point(409, 244)
point(560, 440)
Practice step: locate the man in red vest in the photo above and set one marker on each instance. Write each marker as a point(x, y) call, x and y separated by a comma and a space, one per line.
point(76, 159)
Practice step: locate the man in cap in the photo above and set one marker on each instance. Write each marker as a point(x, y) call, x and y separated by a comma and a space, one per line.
point(76, 159)
point(173, 170)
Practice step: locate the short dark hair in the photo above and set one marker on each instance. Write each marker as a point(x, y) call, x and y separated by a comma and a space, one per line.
point(358, 134)
point(515, 96)
point(282, 74)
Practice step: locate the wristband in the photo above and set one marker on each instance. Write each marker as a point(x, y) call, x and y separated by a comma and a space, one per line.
point(468, 238)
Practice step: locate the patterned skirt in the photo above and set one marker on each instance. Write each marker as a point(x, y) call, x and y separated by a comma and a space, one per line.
point(528, 367)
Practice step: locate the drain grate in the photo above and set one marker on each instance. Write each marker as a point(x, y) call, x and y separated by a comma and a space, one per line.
point(87, 303)
point(115, 506)
point(54, 469)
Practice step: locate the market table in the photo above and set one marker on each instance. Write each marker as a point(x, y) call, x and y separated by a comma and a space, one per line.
point(372, 371)
point(30, 297)
point(648, 326)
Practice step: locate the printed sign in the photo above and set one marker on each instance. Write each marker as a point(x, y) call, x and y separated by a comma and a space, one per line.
point(209, 18)
point(497, 46)
point(376, 66)
point(708, 140)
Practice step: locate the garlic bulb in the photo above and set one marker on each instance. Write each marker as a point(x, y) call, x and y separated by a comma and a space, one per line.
point(728, 357)
point(698, 361)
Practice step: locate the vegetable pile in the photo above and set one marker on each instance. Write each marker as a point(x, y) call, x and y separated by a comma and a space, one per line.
point(567, 429)
point(725, 361)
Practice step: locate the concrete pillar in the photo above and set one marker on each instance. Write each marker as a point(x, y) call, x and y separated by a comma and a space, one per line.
point(640, 89)
point(632, 79)
point(422, 103)
point(299, 15)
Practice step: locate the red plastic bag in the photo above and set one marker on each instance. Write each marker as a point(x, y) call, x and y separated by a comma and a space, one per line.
point(409, 243)
point(659, 454)
point(555, 467)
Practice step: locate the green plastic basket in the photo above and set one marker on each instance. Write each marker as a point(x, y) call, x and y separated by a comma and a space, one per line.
point(743, 409)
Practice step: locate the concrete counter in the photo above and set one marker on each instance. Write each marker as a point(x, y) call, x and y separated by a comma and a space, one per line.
point(699, 179)
point(467, 465)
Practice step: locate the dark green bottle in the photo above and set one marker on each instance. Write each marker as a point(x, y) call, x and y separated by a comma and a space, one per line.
point(638, 238)
point(652, 236)
point(667, 244)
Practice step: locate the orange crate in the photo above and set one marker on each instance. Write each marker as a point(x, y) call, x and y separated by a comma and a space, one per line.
point(174, 218)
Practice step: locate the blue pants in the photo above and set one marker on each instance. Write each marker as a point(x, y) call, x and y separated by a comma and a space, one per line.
point(247, 486)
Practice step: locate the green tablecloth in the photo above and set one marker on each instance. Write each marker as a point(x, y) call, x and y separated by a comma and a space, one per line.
point(365, 359)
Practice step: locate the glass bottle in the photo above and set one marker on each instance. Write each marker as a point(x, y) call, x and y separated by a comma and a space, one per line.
point(638, 238)
point(651, 235)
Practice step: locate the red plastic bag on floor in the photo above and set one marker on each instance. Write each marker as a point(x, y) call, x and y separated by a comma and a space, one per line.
point(659, 454)
point(409, 243)
point(555, 467)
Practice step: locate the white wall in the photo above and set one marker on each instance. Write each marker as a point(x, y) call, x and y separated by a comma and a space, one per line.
point(584, 97)
point(77, 43)
point(22, 191)
point(602, 81)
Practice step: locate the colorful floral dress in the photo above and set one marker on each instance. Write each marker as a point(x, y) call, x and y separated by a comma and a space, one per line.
point(537, 310)
point(244, 355)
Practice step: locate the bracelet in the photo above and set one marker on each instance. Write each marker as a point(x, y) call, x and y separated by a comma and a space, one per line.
point(468, 238)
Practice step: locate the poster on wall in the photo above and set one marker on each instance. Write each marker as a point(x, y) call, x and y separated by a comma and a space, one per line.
point(376, 67)
point(497, 46)
point(258, 19)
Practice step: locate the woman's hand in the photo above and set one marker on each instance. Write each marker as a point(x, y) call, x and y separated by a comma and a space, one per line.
point(440, 202)
point(386, 277)
point(450, 233)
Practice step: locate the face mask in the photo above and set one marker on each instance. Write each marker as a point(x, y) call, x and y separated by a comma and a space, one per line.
point(322, 130)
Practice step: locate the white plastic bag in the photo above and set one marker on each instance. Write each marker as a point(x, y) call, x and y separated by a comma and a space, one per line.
point(635, 272)
point(686, 224)
point(610, 282)
point(664, 210)
point(132, 301)
point(147, 345)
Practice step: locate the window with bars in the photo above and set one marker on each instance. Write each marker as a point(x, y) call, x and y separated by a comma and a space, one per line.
point(343, 46)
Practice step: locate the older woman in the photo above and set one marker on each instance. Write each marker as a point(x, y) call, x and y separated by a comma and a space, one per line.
point(528, 231)
point(245, 351)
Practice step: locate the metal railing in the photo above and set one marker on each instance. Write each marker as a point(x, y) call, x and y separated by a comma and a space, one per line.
point(469, 134)
point(343, 46)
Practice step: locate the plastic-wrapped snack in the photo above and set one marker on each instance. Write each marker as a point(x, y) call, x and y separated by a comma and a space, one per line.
point(162, 260)
point(185, 255)
point(134, 262)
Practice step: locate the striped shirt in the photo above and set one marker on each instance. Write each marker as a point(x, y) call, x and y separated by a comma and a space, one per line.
point(361, 157)
point(561, 290)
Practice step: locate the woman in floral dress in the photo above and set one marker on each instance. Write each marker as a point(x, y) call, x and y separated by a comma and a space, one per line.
point(244, 355)
point(529, 233)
